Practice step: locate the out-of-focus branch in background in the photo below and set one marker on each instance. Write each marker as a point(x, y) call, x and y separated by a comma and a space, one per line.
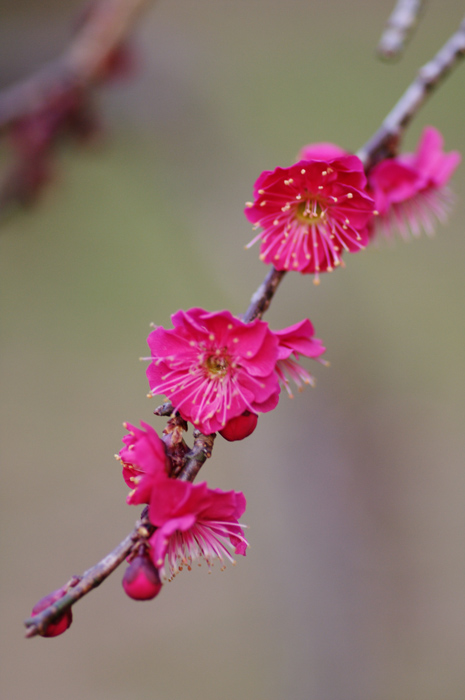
point(56, 101)
point(399, 28)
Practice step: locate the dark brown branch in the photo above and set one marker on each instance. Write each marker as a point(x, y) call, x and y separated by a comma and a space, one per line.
point(399, 28)
point(92, 578)
point(176, 447)
point(196, 458)
point(262, 298)
point(384, 144)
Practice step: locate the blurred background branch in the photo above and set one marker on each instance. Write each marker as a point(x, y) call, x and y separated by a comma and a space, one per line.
point(86, 60)
point(57, 100)
point(399, 28)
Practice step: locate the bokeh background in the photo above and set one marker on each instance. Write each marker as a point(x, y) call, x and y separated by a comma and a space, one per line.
point(354, 587)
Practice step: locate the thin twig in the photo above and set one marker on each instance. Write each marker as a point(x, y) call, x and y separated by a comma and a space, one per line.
point(196, 458)
point(399, 28)
point(92, 578)
point(192, 463)
point(384, 144)
point(262, 298)
point(166, 409)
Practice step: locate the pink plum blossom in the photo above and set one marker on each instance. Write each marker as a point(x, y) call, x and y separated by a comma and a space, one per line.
point(144, 462)
point(213, 367)
point(294, 341)
point(194, 522)
point(311, 212)
point(410, 190)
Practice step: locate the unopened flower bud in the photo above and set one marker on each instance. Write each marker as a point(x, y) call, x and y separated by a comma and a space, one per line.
point(240, 427)
point(141, 580)
point(62, 622)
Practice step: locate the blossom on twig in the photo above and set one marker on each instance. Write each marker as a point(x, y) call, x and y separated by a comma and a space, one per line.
point(410, 191)
point(213, 367)
point(311, 212)
point(194, 522)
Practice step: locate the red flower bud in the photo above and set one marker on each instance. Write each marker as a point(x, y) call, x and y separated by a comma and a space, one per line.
point(141, 580)
point(240, 427)
point(62, 622)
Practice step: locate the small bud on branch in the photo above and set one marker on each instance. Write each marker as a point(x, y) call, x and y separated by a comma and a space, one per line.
point(92, 578)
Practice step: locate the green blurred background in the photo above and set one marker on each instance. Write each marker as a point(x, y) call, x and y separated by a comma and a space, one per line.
point(354, 587)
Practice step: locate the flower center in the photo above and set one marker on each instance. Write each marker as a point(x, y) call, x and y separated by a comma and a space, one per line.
point(217, 364)
point(309, 212)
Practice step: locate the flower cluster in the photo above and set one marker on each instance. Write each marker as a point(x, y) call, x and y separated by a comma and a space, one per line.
point(214, 367)
point(190, 521)
point(313, 211)
point(219, 373)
